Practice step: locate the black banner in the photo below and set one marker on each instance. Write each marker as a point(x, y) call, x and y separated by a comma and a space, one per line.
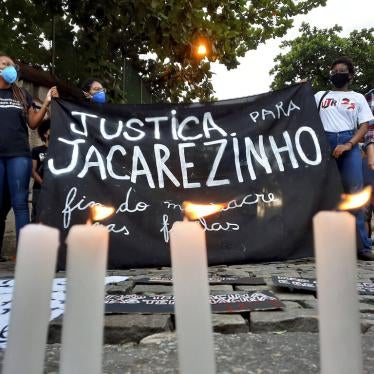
point(310, 284)
point(225, 303)
point(266, 156)
point(167, 279)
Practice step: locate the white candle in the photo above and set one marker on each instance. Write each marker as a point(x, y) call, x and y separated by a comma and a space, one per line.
point(191, 291)
point(82, 331)
point(30, 310)
point(338, 308)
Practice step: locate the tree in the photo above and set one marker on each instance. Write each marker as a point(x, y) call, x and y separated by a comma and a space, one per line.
point(310, 56)
point(157, 37)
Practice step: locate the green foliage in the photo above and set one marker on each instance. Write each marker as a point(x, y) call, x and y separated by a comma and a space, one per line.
point(310, 55)
point(93, 38)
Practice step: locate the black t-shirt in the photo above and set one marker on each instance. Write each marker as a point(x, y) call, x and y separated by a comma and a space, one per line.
point(39, 154)
point(14, 137)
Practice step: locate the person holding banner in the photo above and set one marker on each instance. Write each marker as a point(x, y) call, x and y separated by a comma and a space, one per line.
point(6, 205)
point(94, 91)
point(16, 114)
point(369, 137)
point(39, 154)
point(345, 115)
point(368, 162)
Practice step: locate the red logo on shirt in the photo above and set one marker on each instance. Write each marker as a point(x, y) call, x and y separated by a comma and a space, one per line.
point(329, 102)
point(349, 104)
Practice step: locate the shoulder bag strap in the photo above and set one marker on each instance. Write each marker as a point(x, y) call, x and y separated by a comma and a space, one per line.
point(320, 101)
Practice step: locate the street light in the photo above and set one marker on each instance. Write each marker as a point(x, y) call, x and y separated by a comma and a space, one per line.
point(201, 48)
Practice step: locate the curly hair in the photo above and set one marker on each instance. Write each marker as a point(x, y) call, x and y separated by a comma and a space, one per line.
point(346, 61)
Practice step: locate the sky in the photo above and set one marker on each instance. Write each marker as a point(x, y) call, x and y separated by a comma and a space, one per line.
point(252, 75)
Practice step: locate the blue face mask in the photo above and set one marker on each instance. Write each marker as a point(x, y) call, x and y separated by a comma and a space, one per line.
point(99, 97)
point(9, 74)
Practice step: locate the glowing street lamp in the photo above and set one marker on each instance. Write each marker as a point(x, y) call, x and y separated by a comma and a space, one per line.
point(201, 48)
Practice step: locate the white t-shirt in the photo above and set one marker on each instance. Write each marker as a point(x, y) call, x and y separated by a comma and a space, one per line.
point(343, 110)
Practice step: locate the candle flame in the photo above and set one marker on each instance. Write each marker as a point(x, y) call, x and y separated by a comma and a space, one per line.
point(100, 212)
point(195, 211)
point(355, 200)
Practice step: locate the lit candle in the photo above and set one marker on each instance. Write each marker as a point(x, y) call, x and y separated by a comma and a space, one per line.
point(191, 291)
point(30, 311)
point(82, 330)
point(338, 306)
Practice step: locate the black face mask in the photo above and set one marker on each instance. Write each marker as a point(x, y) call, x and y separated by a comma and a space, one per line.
point(339, 80)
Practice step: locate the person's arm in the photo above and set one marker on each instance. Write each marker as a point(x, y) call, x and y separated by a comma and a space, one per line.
point(370, 155)
point(35, 117)
point(369, 146)
point(357, 137)
point(37, 178)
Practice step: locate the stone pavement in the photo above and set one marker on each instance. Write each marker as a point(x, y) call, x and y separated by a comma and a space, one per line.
point(281, 341)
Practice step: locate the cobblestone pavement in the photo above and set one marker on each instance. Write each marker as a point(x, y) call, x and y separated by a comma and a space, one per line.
point(281, 341)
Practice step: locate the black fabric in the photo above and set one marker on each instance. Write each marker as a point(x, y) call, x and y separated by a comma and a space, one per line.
point(39, 154)
point(266, 156)
point(14, 138)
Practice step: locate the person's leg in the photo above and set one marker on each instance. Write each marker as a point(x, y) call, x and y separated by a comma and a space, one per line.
point(350, 167)
point(367, 208)
point(18, 175)
point(368, 181)
point(2, 204)
point(2, 180)
point(367, 215)
point(35, 199)
point(4, 210)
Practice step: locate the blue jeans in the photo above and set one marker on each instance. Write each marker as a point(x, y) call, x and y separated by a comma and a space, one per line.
point(16, 172)
point(350, 168)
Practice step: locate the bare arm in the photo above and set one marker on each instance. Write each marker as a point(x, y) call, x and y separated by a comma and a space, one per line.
point(370, 156)
point(34, 118)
